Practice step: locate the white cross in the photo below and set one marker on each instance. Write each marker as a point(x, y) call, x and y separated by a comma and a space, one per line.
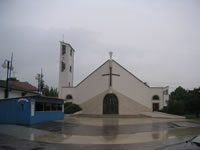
point(110, 53)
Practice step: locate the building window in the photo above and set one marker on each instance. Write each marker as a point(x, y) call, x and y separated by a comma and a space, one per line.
point(54, 107)
point(39, 106)
point(24, 94)
point(44, 106)
point(71, 52)
point(69, 97)
point(155, 97)
point(165, 92)
point(59, 107)
point(47, 106)
point(70, 69)
point(63, 49)
point(69, 84)
point(62, 66)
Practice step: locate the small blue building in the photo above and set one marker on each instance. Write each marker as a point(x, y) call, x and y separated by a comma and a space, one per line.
point(31, 109)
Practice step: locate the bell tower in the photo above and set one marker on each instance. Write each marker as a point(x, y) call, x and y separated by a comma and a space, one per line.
point(66, 65)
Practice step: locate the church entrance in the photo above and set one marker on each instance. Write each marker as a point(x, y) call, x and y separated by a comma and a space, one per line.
point(110, 104)
point(155, 106)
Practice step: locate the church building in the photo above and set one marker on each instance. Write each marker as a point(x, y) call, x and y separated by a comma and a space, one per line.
point(110, 89)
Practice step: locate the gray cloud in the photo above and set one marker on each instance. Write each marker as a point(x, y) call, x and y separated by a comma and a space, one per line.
point(158, 41)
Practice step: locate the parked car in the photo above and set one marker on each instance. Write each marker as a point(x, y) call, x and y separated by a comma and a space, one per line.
point(192, 144)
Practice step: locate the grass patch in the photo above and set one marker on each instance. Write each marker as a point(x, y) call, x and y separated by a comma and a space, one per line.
point(191, 116)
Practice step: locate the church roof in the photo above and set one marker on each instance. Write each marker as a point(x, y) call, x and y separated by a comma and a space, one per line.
point(122, 68)
point(91, 73)
point(132, 74)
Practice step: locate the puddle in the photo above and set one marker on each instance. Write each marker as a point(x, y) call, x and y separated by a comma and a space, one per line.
point(141, 137)
point(111, 131)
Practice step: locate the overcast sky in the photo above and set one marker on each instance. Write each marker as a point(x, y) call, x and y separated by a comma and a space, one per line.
point(156, 40)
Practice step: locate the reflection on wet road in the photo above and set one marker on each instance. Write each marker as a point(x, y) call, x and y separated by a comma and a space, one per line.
point(100, 131)
point(141, 137)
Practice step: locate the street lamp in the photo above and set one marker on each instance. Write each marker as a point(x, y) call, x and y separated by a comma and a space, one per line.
point(7, 64)
point(39, 78)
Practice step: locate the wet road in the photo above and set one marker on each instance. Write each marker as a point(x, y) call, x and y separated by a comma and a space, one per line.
point(99, 133)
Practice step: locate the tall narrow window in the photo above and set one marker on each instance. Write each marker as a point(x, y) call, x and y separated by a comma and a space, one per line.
point(69, 84)
point(165, 92)
point(70, 69)
point(62, 66)
point(63, 49)
point(70, 52)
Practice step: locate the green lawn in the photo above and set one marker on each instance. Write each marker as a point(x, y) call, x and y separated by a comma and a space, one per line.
point(191, 116)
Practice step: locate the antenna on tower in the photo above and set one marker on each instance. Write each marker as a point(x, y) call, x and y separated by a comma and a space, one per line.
point(63, 36)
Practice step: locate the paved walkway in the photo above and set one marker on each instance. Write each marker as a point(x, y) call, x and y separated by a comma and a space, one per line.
point(79, 132)
point(162, 115)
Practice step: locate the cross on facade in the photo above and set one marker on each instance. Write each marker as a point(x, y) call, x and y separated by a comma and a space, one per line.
point(110, 69)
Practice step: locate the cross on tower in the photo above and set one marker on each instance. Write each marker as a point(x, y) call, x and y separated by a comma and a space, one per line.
point(110, 69)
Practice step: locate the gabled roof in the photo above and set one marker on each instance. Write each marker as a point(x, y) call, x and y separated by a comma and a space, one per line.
point(137, 77)
point(91, 73)
point(20, 86)
point(132, 74)
point(122, 68)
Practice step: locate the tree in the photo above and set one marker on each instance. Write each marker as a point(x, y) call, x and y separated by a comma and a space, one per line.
point(50, 91)
point(182, 102)
point(193, 104)
point(176, 103)
point(176, 107)
point(179, 95)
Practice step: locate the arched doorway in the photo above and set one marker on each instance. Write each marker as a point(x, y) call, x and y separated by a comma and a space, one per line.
point(110, 104)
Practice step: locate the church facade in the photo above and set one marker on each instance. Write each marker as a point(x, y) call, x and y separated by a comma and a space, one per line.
point(110, 89)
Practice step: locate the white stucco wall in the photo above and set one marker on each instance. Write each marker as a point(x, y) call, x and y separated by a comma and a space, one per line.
point(66, 77)
point(126, 105)
point(31, 94)
point(94, 85)
point(159, 93)
point(130, 86)
point(126, 85)
point(14, 93)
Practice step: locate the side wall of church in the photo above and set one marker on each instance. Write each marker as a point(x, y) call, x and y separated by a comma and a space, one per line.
point(159, 93)
point(163, 98)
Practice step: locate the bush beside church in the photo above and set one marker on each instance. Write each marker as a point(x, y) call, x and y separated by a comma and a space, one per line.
point(71, 108)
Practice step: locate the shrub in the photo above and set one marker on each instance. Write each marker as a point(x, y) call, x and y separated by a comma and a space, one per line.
point(176, 108)
point(67, 104)
point(72, 108)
